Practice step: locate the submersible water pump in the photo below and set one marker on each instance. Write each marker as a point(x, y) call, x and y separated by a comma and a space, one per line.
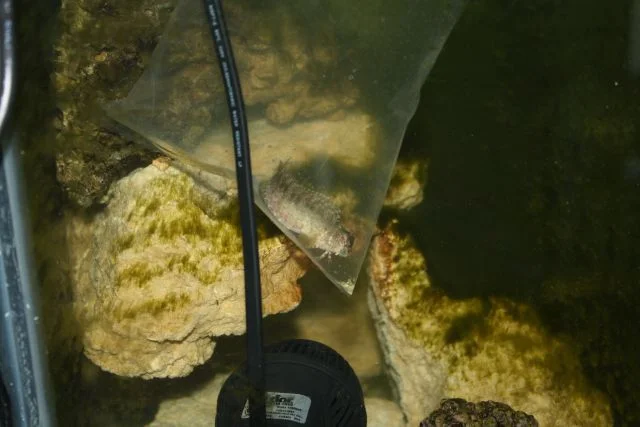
point(290, 384)
point(308, 384)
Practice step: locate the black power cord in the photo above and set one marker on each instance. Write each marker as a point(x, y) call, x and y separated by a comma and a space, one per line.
point(253, 296)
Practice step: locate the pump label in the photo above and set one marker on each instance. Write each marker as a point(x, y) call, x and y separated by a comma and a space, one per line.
point(284, 406)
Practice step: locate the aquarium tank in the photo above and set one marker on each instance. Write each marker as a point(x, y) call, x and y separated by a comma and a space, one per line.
point(446, 204)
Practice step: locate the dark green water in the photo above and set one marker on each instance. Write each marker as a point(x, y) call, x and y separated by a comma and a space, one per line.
point(531, 120)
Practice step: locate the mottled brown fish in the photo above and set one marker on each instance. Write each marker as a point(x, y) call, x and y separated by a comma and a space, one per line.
point(306, 212)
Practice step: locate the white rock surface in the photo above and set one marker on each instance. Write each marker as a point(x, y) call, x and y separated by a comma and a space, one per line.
point(419, 378)
point(383, 413)
point(194, 410)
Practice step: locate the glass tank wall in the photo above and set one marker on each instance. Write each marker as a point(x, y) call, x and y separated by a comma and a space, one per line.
point(503, 266)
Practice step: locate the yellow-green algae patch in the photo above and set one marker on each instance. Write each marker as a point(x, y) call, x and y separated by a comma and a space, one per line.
point(165, 213)
point(163, 275)
point(158, 232)
point(424, 309)
point(491, 349)
point(169, 304)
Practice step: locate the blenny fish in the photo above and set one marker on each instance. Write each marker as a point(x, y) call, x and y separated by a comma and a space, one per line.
point(306, 212)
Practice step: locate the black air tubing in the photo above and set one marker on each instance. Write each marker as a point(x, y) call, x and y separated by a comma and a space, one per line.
point(253, 297)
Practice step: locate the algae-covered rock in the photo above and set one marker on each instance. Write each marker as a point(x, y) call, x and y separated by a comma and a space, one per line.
point(473, 349)
point(406, 188)
point(102, 48)
point(469, 414)
point(164, 276)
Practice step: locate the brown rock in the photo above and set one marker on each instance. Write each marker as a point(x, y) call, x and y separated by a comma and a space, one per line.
point(459, 412)
point(92, 66)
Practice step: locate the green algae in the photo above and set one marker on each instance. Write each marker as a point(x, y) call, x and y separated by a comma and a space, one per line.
point(166, 212)
point(161, 229)
point(137, 274)
point(480, 342)
point(423, 300)
point(155, 307)
point(464, 325)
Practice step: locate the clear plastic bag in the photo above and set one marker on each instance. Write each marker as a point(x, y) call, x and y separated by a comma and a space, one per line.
point(329, 88)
